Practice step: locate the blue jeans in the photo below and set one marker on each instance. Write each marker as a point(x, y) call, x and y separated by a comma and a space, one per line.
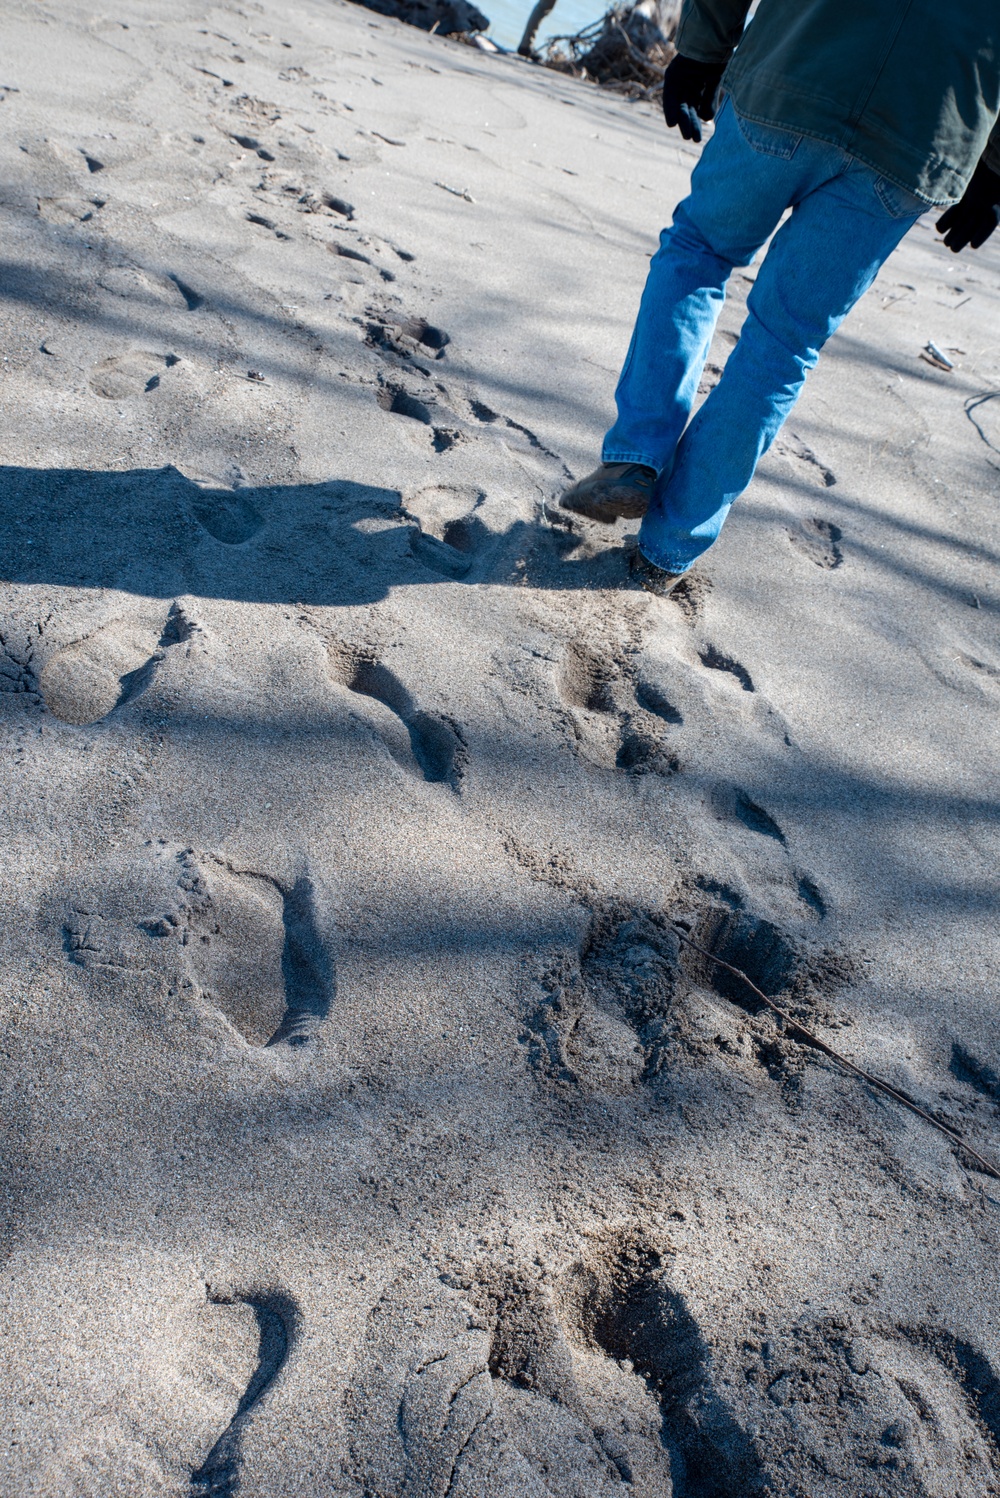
point(845, 221)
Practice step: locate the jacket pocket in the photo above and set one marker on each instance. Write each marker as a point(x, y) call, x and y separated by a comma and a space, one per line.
point(770, 140)
point(897, 201)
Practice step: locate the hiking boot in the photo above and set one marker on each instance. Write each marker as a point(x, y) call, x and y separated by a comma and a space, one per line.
point(615, 491)
point(654, 579)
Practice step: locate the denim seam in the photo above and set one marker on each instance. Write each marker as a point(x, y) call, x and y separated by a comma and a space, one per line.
point(908, 212)
point(629, 356)
point(851, 155)
point(795, 137)
point(640, 458)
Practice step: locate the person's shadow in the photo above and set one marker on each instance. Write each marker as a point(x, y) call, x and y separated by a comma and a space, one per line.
point(154, 533)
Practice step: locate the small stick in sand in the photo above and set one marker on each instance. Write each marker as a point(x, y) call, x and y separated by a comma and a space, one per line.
point(457, 192)
point(821, 1045)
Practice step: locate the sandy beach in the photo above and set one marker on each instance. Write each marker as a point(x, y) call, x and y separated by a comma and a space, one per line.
point(369, 1130)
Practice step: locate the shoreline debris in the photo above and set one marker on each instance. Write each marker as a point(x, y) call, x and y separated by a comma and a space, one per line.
point(628, 49)
point(455, 18)
point(935, 356)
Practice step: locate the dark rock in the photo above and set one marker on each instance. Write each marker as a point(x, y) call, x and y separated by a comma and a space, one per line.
point(446, 17)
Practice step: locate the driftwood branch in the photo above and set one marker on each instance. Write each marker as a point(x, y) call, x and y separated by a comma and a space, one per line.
point(635, 54)
point(526, 46)
point(628, 48)
point(794, 1026)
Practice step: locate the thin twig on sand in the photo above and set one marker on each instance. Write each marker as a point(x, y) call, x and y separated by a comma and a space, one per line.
point(794, 1025)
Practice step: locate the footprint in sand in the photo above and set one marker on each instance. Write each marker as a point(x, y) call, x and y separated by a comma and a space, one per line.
point(227, 515)
point(803, 460)
point(613, 725)
point(267, 223)
point(717, 660)
point(598, 1382)
point(241, 953)
point(49, 154)
point(151, 288)
point(690, 595)
point(590, 685)
point(811, 895)
point(375, 246)
point(450, 533)
point(600, 1011)
point(653, 699)
point(400, 402)
point(192, 299)
point(514, 435)
point(758, 947)
point(87, 680)
point(733, 804)
point(426, 406)
point(69, 209)
point(916, 1404)
point(983, 672)
point(276, 1316)
point(255, 948)
point(628, 1330)
point(963, 665)
point(643, 751)
point(434, 406)
point(395, 333)
point(975, 1073)
point(646, 743)
point(435, 745)
point(586, 680)
point(478, 1393)
point(347, 253)
point(819, 540)
point(136, 373)
point(251, 143)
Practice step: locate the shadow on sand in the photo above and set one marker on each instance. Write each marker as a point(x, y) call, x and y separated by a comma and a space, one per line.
point(155, 533)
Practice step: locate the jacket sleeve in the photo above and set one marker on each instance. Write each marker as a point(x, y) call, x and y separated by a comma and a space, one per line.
point(709, 30)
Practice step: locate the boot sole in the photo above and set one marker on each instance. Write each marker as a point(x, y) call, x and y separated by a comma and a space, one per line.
point(605, 511)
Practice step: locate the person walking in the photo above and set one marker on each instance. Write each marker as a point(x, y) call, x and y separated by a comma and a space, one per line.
point(858, 115)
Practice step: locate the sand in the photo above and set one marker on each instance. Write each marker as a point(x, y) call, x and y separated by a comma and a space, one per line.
point(367, 1132)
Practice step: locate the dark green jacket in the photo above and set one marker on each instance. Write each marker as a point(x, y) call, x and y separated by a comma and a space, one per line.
point(912, 87)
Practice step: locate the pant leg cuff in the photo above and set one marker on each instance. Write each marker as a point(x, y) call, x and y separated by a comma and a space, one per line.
point(665, 563)
point(618, 457)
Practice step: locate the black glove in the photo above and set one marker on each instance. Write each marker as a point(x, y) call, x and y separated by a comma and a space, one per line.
point(976, 214)
point(689, 89)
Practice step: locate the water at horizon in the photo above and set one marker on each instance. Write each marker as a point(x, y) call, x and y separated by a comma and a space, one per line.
point(508, 18)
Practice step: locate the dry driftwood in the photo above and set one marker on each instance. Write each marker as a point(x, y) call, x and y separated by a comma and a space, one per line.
point(526, 46)
point(628, 48)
